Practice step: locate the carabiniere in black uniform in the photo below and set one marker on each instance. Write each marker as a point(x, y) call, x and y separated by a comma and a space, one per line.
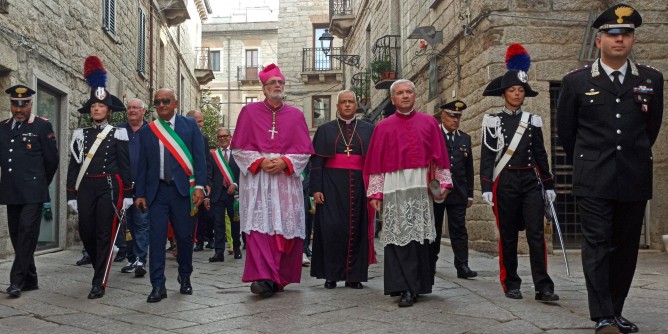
point(105, 184)
point(517, 193)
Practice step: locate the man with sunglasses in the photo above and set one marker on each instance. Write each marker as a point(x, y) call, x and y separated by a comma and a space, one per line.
point(170, 184)
point(28, 161)
point(272, 147)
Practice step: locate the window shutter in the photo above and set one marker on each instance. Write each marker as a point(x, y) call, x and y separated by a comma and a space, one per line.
point(141, 41)
point(109, 16)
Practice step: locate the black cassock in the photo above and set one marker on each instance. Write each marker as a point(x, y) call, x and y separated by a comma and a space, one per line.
point(340, 231)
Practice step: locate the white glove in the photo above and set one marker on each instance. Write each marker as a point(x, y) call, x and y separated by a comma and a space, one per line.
point(73, 205)
point(551, 195)
point(127, 202)
point(487, 197)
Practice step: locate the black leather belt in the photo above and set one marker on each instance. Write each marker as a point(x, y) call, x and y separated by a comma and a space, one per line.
point(169, 183)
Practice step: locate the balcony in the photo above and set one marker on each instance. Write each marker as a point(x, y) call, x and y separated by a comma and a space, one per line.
point(247, 75)
point(203, 69)
point(361, 85)
point(341, 17)
point(175, 11)
point(319, 68)
point(385, 67)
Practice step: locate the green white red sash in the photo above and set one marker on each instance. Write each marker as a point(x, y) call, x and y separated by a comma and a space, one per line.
point(223, 166)
point(179, 150)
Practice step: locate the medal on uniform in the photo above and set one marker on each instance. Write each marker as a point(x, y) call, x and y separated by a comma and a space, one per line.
point(28, 146)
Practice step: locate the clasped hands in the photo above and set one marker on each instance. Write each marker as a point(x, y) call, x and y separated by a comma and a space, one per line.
point(273, 166)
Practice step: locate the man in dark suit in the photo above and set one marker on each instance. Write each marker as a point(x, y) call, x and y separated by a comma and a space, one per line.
point(461, 195)
point(170, 183)
point(28, 161)
point(223, 178)
point(608, 118)
point(204, 229)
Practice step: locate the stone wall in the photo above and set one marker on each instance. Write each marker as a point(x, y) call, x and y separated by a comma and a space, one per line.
point(45, 42)
point(551, 30)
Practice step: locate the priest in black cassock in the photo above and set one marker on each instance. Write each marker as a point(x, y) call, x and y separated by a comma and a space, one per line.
point(342, 234)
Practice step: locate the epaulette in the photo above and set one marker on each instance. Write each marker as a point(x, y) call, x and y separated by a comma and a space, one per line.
point(653, 69)
point(43, 118)
point(121, 134)
point(577, 70)
point(7, 120)
point(536, 121)
point(491, 121)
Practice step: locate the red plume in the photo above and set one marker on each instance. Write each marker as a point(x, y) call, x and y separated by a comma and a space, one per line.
point(93, 63)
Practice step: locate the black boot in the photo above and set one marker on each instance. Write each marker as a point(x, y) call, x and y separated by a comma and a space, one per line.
point(96, 292)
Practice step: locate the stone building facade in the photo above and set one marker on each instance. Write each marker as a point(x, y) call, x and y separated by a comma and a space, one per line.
point(475, 35)
point(144, 45)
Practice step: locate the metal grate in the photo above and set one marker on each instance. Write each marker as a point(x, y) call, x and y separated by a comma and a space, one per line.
point(340, 7)
point(314, 59)
point(569, 219)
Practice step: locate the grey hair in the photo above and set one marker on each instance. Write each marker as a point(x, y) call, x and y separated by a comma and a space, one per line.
point(224, 129)
point(143, 105)
point(338, 96)
point(402, 81)
point(193, 112)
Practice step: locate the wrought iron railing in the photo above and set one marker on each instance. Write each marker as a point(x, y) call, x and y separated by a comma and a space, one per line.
point(386, 56)
point(314, 59)
point(340, 7)
point(248, 72)
point(203, 60)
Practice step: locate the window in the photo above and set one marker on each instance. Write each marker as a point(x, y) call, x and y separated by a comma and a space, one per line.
point(109, 16)
point(215, 61)
point(252, 58)
point(251, 99)
point(321, 61)
point(141, 41)
point(320, 105)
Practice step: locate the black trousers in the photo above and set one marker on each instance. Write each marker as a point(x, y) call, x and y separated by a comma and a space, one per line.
point(518, 204)
point(24, 222)
point(611, 231)
point(96, 200)
point(308, 220)
point(218, 211)
point(407, 268)
point(459, 237)
point(205, 225)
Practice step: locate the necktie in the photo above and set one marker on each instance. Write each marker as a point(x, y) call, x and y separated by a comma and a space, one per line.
point(451, 138)
point(166, 167)
point(17, 125)
point(616, 82)
point(227, 155)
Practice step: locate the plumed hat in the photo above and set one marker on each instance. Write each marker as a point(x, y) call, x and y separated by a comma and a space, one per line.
point(96, 77)
point(269, 71)
point(518, 63)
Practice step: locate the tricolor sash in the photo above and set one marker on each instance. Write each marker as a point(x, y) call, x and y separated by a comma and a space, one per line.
point(223, 166)
point(171, 140)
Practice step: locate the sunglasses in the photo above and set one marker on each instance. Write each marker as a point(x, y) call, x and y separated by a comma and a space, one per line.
point(274, 82)
point(224, 136)
point(158, 102)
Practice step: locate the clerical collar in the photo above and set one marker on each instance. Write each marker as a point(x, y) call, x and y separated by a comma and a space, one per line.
point(100, 126)
point(348, 121)
point(272, 108)
point(405, 113)
point(510, 112)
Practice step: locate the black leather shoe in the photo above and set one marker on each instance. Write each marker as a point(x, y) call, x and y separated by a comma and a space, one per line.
point(407, 299)
point(354, 285)
point(606, 326)
point(209, 245)
point(218, 257)
point(547, 296)
point(237, 254)
point(625, 326)
point(514, 294)
point(157, 294)
point(330, 284)
point(30, 286)
point(120, 256)
point(14, 290)
point(84, 260)
point(96, 292)
point(186, 288)
point(198, 247)
point(465, 272)
point(262, 288)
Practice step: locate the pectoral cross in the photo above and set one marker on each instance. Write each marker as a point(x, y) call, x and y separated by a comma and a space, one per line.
point(273, 131)
point(348, 150)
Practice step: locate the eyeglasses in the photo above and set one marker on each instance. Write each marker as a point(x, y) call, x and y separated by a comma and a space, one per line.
point(157, 102)
point(274, 82)
point(223, 136)
point(140, 107)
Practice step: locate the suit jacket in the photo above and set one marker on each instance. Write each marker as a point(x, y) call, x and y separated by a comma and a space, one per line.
point(608, 135)
point(461, 168)
point(217, 181)
point(28, 161)
point(148, 174)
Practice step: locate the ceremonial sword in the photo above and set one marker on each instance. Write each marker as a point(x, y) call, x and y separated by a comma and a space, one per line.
point(551, 215)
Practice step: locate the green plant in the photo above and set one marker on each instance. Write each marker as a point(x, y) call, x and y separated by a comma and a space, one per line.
point(381, 65)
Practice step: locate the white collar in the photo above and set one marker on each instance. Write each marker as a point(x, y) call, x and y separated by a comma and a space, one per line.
point(448, 132)
point(405, 113)
point(348, 121)
point(608, 70)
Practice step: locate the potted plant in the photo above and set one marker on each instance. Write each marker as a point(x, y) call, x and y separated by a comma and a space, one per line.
point(383, 68)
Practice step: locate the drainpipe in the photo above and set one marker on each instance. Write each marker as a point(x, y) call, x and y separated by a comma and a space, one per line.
point(229, 83)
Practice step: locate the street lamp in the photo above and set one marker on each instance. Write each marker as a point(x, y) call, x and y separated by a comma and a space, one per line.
point(326, 42)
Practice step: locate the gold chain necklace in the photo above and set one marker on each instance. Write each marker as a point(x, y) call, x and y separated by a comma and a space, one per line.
point(350, 140)
point(273, 130)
